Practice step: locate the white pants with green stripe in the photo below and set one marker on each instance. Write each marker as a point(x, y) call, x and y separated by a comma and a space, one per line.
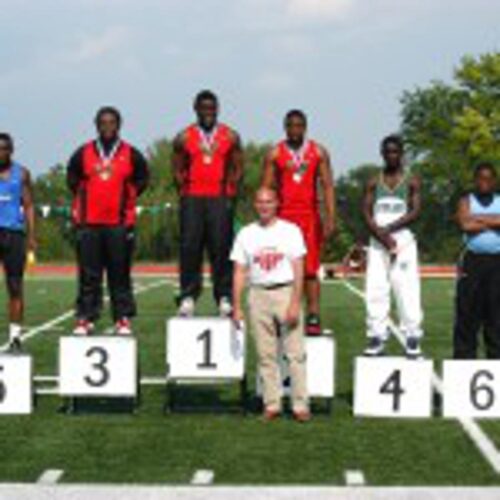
point(401, 275)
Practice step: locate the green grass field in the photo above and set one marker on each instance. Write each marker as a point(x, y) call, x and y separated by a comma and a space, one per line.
point(150, 447)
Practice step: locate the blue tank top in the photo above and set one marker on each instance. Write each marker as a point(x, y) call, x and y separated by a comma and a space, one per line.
point(11, 192)
point(485, 242)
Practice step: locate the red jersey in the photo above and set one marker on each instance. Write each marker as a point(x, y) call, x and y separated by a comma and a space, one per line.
point(105, 195)
point(297, 177)
point(209, 162)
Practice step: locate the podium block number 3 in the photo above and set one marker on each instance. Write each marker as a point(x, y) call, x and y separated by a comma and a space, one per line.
point(100, 373)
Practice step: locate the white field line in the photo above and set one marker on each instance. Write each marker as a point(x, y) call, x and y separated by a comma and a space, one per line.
point(50, 476)
point(203, 477)
point(32, 332)
point(354, 478)
point(470, 426)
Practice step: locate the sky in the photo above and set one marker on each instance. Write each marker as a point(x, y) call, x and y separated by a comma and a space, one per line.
point(345, 62)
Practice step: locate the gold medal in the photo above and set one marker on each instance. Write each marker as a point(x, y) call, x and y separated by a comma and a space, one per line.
point(207, 159)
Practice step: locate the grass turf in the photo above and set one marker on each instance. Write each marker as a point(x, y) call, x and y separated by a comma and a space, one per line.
point(149, 447)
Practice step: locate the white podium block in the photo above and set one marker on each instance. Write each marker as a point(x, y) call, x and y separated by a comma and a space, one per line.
point(205, 348)
point(16, 389)
point(320, 368)
point(471, 388)
point(98, 366)
point(392, 387)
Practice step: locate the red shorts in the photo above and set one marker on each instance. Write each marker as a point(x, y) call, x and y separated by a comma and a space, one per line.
point(310, 225)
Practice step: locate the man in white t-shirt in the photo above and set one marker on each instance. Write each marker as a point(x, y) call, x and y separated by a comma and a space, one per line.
point(270, 254)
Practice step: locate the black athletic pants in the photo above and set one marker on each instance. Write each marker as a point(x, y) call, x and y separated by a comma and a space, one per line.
point(105, 249)
point(206, 222)
point(477, 306)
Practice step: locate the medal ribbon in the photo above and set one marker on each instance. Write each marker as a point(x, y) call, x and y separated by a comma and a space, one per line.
point(106, 158)
point(208, 140)
point(298, 158)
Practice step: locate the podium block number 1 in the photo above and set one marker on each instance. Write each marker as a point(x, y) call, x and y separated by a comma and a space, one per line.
point(205, 338)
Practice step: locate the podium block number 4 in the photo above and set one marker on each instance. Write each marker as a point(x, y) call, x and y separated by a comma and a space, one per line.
point(392, 387)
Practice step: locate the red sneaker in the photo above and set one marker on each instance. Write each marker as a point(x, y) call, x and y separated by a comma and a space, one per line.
point(270, 415)
point(83, 327)
point(123, 327)
point(313, 325)
point(302, 416)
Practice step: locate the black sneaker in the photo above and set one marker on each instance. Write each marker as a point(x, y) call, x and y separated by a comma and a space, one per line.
point(412, 348)
point(15, 346)
point(375, 347)
point(313, 325)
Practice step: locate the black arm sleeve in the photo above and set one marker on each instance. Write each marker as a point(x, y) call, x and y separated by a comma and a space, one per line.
point(140, 177)
point(74, 171)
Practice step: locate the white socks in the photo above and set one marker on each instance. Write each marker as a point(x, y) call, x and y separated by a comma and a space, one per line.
point(14, 331)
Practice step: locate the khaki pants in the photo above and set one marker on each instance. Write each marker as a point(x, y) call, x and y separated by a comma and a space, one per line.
point(266, 308)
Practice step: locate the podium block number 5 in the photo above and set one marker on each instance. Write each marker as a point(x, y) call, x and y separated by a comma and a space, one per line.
point(3, 388)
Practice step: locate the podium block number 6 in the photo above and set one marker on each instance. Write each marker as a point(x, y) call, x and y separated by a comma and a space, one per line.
point(476, 388)
point(102, 373)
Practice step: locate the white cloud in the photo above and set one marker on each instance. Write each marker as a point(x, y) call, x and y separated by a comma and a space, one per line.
point(95, 46)
point(320, 9)
point(275, 81)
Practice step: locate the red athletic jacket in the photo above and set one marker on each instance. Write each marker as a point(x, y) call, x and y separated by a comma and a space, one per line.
point(105, 194)
point(208, 173)
point(297, 180)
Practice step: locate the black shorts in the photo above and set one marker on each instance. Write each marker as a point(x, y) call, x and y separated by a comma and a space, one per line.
point(13, 252)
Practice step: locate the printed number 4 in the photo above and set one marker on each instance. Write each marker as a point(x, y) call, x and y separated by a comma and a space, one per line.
point(392, 386)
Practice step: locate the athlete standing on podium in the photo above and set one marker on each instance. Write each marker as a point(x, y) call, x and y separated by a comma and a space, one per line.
point(391, 205)
point(208, 166)
point(294, 168)
point(17, 231)
point(106, 176)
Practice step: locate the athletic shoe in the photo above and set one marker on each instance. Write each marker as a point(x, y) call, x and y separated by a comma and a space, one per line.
point(375, 347)
point(270, 415)
point(225, 307)
point(186, 307)
point(413, 350)
point(313, 325)
point(123, 327)
point(302, 416)
point(15, 346)
point(83, 327)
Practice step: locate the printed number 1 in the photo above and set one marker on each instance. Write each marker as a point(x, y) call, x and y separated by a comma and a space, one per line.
point(206, 338)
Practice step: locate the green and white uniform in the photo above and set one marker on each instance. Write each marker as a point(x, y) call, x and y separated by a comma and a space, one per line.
point(400, 274)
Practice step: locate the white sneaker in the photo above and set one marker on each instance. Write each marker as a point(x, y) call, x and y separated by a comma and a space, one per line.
point(225, 307)
point(186, 307)
point(83, 327)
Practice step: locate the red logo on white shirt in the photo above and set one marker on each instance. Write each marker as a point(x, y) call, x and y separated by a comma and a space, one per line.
point(268, 259)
